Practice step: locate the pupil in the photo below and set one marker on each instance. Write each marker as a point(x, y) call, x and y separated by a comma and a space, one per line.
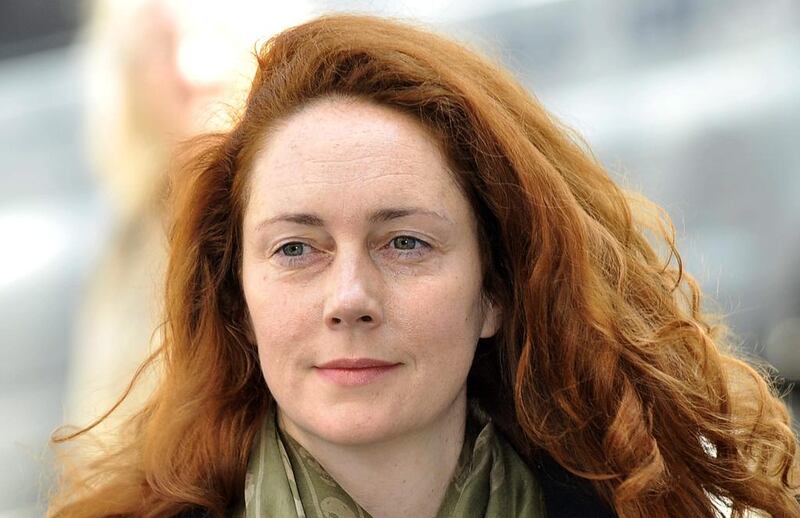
point(405, 243)
point(293, 249)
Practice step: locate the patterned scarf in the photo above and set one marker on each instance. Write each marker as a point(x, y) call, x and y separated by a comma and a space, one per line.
point(490, 481)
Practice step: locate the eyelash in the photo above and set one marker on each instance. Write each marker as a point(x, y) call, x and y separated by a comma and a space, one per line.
point(293, 260)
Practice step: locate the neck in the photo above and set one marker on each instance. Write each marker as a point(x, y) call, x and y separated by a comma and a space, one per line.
point(405, 476)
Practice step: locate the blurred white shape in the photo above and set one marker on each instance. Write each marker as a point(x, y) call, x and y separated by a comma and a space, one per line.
point(35, 237)
point(214, 41)
point(202, 60)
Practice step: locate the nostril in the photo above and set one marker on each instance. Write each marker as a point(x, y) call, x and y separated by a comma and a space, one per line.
point(363, 318)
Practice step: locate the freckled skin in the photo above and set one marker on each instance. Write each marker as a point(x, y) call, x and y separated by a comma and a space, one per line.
point(348, 288)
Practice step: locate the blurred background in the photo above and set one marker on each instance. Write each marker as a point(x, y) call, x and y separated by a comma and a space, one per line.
point(694, 102)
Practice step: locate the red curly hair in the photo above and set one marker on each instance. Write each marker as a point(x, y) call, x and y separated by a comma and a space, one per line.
point(605, 361)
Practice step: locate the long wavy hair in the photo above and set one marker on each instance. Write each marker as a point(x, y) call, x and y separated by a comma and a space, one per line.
point(605, 360)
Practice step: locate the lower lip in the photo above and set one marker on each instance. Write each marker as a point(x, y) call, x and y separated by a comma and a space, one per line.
point(355, 377)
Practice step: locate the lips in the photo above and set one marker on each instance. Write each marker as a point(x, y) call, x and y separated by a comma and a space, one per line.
point(355, 363)
point(350, 372)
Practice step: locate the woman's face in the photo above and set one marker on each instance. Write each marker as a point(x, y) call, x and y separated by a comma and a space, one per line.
point(358, 245)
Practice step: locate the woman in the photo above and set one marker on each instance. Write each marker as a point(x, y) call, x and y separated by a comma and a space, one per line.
point(398, 288)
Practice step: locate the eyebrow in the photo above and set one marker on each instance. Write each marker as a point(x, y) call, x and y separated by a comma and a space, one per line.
point(379, 216)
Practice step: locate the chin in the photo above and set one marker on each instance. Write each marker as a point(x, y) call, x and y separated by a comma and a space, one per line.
point(357, 427)
point(349, 426)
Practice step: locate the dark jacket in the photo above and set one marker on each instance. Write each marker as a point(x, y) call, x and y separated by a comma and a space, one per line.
point(567, 496)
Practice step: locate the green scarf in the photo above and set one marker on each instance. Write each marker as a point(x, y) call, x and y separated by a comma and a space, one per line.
point(490, 481)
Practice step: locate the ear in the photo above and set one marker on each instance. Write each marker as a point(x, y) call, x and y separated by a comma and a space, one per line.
point(491, 319)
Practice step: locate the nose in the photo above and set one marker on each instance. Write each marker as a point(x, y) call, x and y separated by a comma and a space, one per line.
point(353, 292)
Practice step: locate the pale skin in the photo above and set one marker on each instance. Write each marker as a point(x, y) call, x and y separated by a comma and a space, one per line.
point(359, 244)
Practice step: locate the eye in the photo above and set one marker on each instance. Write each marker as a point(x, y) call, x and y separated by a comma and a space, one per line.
point(408, 247)
point(293, 249)
point(294, 253)
point(406, 242)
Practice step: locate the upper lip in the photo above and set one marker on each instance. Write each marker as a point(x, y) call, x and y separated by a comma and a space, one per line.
point(355, 363)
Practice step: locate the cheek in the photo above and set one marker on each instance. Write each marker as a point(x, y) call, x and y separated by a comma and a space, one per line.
point(443, 319)
point(282, 320)
point(275, 308)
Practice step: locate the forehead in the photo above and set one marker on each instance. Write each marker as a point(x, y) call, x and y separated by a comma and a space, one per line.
point(351, 150)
